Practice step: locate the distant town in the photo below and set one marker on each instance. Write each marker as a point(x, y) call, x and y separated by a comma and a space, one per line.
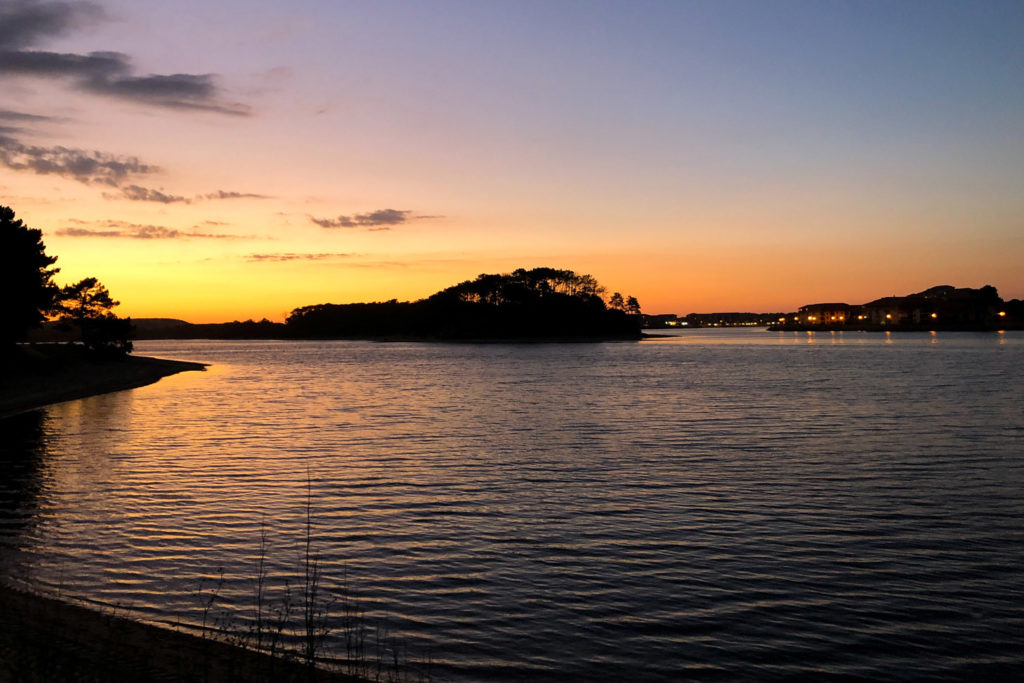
point(943, 307)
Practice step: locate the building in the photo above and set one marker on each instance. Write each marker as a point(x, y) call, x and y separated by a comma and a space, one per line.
point(942, 307)
point(824, 315)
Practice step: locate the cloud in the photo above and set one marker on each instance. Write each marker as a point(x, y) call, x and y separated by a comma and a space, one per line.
point(26, 23)
point(137, 193)
point(145, 194)
point(93, 66)
point(81, 165)
point(221, 194)
point(122, 229)
point(379, 219)
point(85, 232)
point(180, 91)
point(294, 257)
point(11, 115)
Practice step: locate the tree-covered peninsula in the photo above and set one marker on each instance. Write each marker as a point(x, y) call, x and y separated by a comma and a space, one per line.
point(95, 358)
point(537, 304)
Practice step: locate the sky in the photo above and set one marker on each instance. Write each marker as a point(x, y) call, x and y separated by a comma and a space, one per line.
point(232, 160)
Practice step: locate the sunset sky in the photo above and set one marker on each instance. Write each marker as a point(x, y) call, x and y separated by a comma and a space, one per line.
point(225, 160)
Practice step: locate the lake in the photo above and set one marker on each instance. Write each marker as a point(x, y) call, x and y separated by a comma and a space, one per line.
point(715, 504)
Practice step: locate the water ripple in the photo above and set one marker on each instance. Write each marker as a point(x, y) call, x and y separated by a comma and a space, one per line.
point(736, 507)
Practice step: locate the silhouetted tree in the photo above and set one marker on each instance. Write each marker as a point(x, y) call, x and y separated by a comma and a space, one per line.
point(523, 285)
point(25, 277)
point(85, 299)
point(523, 304)
point(87, 304)
point(632, 306)
point(616, 302)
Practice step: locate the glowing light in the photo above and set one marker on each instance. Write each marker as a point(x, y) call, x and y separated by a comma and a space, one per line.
point(888, 316)
point(935, 315)
point(1002, 314)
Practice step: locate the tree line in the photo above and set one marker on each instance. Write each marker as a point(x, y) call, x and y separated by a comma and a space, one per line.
point(542, 303)
point(27, 272)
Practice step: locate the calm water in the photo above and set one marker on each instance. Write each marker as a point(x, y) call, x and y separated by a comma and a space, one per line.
point(718, 505)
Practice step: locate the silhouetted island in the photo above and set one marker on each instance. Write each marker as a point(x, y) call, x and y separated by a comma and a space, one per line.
point(542, 304)
point(938, 308)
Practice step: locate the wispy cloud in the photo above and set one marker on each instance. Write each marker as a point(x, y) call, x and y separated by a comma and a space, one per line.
point(380, 219)
point(11, 115)
point(95, 168)
point(145, 194)
point(81, 165)
point(137, 193)
point(221, 194)
point(296, 257)
point(26, 23)
point(86, 232)
point(121, 229)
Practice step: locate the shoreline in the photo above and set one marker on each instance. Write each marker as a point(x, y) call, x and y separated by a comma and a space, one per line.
point(48, 639)
point(39, 376)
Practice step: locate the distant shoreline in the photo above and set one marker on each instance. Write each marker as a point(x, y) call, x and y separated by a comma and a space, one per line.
point(43, 375)
point(907, 327)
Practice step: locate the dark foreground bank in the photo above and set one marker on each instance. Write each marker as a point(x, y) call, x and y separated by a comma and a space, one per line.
point(48, 640)
point(35, 376)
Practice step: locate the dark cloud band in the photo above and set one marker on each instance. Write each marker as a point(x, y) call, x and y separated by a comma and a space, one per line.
point(145, 194)
point(382, 218)
point(103, 73)
point(121, 229)
point(83, 166)
point(26, 22)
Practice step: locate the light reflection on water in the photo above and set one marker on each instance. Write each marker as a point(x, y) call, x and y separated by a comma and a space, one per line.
point(715, 503)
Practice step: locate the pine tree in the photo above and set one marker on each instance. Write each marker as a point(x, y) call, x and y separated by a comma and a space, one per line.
point(26, 276)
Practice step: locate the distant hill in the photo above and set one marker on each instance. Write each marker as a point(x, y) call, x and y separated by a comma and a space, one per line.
point(170, 328)
point(155, 328)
